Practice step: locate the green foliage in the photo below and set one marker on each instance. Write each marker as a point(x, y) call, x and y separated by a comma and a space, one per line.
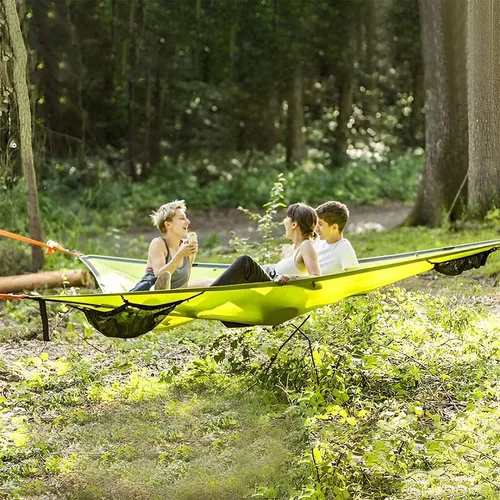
point(493, 217)
point(222, 86)
point(233, 182)
point(13, 214)
point(366, 180)
point(387, 395)
point(264, 250)
point(74, 215)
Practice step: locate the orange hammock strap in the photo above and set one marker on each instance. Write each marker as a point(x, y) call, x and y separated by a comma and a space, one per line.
point(50, 246)
point(10, 296)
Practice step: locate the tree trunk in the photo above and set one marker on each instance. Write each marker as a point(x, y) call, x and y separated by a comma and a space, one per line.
point(345, 90)
point(131, 104)
point(295, 145)
point(197, 53)
point(156, 120)
point(446, 159)
point(370, 22)
point(47, 279)
point(483, 78)
point(268, 137)
point(5, 111)
point(80, 82)
point(25, 140)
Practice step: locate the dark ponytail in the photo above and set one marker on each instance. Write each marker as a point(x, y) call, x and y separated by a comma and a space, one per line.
point(305, 217)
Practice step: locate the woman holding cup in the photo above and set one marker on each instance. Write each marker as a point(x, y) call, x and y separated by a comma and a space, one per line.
point(171, 256)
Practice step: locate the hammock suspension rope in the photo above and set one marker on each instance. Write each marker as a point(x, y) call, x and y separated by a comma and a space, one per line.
point(50, 246)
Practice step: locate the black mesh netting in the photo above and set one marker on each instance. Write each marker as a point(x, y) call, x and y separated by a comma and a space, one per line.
point(128, 320)
point(458, 266)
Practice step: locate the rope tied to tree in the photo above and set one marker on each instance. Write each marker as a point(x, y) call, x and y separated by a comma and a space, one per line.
point(50, 246)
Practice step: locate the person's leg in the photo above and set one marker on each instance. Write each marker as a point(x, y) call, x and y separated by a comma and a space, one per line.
point(243, 270)
point(200, 283)
point(147, 281)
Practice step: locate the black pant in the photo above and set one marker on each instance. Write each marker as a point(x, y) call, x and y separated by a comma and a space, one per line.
point(244, 270)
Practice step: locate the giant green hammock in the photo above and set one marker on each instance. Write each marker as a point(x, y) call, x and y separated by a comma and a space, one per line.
point(119, 313)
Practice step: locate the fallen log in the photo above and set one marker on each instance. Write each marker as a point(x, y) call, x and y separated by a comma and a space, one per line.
point(45, 279)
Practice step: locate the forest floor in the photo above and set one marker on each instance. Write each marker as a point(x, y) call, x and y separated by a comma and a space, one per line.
point(170, 415)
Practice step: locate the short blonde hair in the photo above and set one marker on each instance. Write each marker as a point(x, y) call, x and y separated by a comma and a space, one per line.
point(166, 213)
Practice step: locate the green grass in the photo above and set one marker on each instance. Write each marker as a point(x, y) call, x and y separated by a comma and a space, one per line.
point(203, 445)
point(406, 407)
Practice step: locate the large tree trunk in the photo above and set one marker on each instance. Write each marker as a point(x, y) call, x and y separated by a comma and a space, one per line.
point(295, 144)
point(445, 168)
point(76, 51)
point(483, 78)
point(269, 133)
point(24, 111)
point(131, 85)
point(345, 88)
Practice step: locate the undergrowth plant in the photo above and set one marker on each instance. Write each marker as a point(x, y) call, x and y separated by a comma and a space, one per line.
point(388, 395)
point(266, 249)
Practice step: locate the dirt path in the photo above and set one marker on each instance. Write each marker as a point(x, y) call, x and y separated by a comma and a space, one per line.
point(215, 226)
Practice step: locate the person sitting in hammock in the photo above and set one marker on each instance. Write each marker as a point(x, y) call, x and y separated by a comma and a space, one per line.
point(335, 253)
point(171, 256)
point(298, 261)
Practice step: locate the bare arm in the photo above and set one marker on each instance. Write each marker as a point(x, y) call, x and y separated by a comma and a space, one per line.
point(310, 256)
point(157, 255)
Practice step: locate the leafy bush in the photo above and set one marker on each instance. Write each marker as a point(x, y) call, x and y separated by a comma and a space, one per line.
point(242, 180)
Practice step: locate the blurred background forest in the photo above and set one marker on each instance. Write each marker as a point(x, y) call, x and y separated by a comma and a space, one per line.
point(134, 103)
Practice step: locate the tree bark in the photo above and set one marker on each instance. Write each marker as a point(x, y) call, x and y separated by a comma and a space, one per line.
point(370, 22)
point(48, 279)
point(80, 82)
point(25, 136)
point(345, 88)
point(483, 78)
point(295, 145)
point(443, 45)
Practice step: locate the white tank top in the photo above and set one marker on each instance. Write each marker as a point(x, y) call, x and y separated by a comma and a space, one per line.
point(288, 265)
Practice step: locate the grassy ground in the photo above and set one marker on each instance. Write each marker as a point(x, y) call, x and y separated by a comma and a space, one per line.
point(398, 400)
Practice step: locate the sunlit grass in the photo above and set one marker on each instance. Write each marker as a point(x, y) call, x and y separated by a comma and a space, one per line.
point(88, 417)
point(195, 445)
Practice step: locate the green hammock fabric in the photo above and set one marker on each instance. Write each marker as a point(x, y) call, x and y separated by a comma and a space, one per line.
point(251, 304)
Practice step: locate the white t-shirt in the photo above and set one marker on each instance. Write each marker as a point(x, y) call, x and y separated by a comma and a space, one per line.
point(336, 257)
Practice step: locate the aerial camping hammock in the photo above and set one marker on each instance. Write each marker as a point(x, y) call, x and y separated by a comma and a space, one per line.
point(119, 313)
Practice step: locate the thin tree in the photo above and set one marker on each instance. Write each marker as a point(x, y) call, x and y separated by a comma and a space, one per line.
point(446, 145)
point(483, 78)
point(19, 62)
